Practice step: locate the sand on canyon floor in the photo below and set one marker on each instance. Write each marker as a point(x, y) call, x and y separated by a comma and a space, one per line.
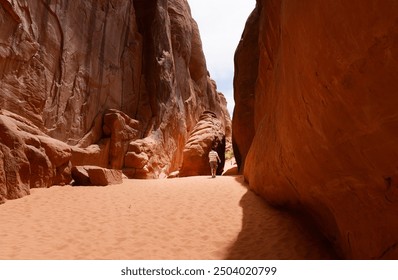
point(183, 218)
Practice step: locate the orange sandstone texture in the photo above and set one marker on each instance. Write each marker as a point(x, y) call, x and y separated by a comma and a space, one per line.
point(106, 78)
point(315, 124)
point(208, 133)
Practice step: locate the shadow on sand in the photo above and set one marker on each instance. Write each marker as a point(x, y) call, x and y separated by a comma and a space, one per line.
point(269, 233)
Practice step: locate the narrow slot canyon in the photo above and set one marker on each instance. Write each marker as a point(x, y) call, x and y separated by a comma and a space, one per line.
point(109, 110)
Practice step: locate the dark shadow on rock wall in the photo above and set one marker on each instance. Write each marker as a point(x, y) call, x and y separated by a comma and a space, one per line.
point(269, 233)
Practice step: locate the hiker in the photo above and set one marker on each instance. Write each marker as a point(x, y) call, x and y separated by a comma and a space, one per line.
point(213, 160)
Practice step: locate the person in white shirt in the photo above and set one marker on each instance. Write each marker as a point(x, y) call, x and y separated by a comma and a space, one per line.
point(214, 159)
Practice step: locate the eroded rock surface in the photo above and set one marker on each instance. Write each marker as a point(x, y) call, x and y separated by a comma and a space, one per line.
point(315, 123)
point(208, 133)
point(95, 176)
point(107, 78)
point(29, 158)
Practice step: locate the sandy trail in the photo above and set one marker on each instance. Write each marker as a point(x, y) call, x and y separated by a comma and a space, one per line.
point(182, 218)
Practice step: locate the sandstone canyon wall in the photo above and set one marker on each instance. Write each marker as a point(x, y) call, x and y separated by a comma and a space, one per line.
point(115, 83)
point(315, 125)
point(209, 133)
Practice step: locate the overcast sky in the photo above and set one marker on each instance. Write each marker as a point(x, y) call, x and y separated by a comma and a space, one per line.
point(221, 23)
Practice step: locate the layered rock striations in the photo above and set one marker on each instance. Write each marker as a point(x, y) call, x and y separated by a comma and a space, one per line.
point(107, 78)
point(315, 122)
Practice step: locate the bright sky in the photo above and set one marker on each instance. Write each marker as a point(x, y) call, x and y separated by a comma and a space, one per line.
point(221, 23)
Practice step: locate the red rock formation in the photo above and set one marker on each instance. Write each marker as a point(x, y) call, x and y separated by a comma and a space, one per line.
point(121, 130)
point(103, 77)
point(208, 133)
point(322, 115)
point(95, 176)
point(29, 158)
point(95, 154)
point(246, 67)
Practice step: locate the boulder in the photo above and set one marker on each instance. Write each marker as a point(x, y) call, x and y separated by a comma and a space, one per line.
point(95, 176)
point(80, 176)
point(135, 160)
point(104, 177)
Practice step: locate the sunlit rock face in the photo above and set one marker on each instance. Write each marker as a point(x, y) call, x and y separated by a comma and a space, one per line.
point(29, 158)
point(315, 122)
point(209, 133)
point(65, 64)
